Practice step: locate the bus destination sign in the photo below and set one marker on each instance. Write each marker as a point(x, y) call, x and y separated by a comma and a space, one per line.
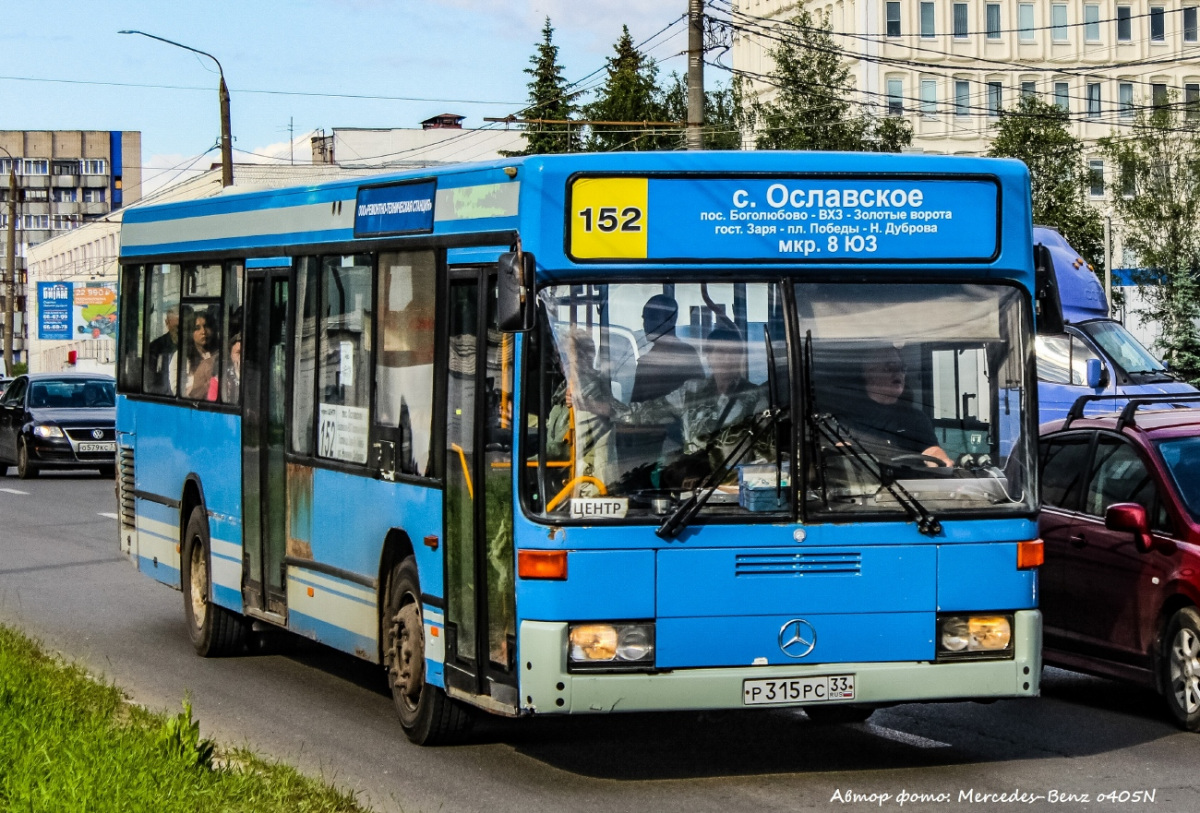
point(396, 209)
point(878, 219)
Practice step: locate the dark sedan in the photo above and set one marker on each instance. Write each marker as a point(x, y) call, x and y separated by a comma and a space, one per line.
point(59, 421)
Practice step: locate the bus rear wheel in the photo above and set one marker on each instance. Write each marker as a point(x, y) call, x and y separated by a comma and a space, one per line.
point(214, 630)
point(427, 715)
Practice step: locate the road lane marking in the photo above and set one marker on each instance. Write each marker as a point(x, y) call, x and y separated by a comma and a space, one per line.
point(900, 736)
point(106, 514)
point(14, 491)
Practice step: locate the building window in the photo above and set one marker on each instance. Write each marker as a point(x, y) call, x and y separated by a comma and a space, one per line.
point(1091, 23)
point(1096, 170)
point(1093, 100)
point(1062, 96)
point(94, 166)
point(960, 21)
point(1189, 24)
point(1025, 21)
point(37, 221)
point(33, 195)
point(67, 195)
point(93, 195)
point(1028, 90)
point(66, 168)
point(962, 97)
point(35, 166)
point(895, 97)
point(1124, 24)
point(995, 98)
point(5, 165)
point(893, 19)
point(927, 27)
point(993, 21)
point(928, 97)
point(1158, 94)
point(1125, 89)
point(1058, 22)
point(64, 222)
point(1158, 24)
point(1191, 100)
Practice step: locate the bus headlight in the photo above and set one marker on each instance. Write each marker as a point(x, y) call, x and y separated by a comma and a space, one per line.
point(611, 646)
point(45, 430)
point(974, 636)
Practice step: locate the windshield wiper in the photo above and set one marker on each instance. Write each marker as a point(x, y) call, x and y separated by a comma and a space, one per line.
point(681, 516)
point(832, 431)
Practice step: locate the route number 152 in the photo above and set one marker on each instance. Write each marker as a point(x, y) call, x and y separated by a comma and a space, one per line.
point(606, 219)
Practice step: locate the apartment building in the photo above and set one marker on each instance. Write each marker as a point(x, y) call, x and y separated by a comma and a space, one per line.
point(950, 66)
point(64, 178)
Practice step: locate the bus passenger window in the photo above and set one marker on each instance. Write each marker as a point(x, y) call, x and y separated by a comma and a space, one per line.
point(344, 372)
point(162, 319)
point(404, 371)
point(231, 374)
point(304, 356)
point(130, 335)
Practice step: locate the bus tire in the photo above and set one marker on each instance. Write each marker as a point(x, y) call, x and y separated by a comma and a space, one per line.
point(1181, 668)
point(426, 714)
point(25, 468)
point(214, 630)
point(838, 715)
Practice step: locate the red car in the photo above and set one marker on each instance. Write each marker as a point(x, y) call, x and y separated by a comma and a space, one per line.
point(1120, 586)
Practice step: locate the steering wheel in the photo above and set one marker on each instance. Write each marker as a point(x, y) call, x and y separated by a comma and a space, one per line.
point(913, 457)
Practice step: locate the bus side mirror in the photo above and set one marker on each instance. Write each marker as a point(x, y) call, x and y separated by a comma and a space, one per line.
point(515, 309)
point(1097, 375)
point(1046, 301)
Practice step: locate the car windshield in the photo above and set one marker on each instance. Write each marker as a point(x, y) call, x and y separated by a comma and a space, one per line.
point(1122, 347)
point(75, 393)
point(1182, 458)
point(917, 398)
point(639, 396)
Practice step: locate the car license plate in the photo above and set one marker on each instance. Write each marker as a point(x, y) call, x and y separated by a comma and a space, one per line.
point(97, 447)
point(814, 689)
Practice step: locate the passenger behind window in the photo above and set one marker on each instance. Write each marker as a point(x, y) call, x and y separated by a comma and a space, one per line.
point(203, 380)
point(161, 355)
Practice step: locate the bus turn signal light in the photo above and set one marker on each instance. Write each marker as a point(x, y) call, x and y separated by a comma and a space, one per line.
point(1030, 554)
point(542, 564)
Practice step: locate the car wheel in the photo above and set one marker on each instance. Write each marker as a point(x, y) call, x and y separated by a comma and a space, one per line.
point(838, 715)
point(427, 715)
point(25, 469)
point(214, 630)
point(1181, 668)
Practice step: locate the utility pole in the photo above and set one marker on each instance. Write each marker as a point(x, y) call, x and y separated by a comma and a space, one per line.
point(10, 264)
point(695, 75)
point(223, 94)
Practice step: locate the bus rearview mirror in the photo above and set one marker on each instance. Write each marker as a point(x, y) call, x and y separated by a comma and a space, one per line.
point(514, 295)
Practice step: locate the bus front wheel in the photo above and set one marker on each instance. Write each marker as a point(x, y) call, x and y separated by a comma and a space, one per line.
point(427, 715)
point(214, 630)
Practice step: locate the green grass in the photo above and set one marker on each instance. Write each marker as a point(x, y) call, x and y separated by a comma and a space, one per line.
point(70, 743)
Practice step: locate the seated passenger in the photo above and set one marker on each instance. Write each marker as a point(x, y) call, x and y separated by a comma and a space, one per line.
point(882, 418)
point(570, 426)
point(670, 362)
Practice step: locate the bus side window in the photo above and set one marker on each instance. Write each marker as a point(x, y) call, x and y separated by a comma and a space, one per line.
point(344, 354)
point(162, 358)
point(132, 309)
point(404, 369)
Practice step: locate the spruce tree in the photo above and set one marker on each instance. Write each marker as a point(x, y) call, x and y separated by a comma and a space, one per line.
point(550, 97)
point(630, 93)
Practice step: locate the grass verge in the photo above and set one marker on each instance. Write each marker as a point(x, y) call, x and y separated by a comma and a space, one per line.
point(70, 743)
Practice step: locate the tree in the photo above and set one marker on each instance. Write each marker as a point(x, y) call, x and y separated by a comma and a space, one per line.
point(1035, 132)
point(630, 93)
point(550, 97)
point(1158, 168)
point(722, 122)
point(813, 109)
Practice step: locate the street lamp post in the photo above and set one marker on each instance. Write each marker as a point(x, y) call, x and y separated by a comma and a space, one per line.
point(10, 264)
point(226, 138)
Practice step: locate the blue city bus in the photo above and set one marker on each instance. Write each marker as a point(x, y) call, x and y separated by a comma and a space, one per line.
point(582, 434)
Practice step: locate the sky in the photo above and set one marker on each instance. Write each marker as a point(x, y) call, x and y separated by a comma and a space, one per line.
point(296, 66)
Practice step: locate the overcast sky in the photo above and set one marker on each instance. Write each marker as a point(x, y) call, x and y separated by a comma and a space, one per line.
point(303, 64)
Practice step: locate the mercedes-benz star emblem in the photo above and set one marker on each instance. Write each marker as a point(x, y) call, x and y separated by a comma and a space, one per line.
point(97, 433)
point(797, 638)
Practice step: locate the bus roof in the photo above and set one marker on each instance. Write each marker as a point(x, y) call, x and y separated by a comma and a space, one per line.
point(692, 208)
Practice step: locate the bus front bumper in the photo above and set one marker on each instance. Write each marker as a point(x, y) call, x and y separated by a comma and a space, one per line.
point(548, 688)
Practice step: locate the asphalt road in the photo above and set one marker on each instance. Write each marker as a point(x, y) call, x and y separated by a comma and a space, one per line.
point(63, 581)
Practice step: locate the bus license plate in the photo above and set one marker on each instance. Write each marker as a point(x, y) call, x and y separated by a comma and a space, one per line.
point(97, 447)
point(815, 689)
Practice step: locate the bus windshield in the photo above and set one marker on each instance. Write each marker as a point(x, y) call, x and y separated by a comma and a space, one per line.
point(917, 398)
point(639, 394)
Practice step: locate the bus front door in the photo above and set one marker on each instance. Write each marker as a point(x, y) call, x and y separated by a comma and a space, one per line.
point(264, 472)
point(480, 603)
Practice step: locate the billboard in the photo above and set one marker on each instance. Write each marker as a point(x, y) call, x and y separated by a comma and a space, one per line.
point(77, 310)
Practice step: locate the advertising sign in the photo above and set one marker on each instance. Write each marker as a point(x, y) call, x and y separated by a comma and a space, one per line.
point(75, 310)
point(818, 219)
point(396, 209)
point(54, 310)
